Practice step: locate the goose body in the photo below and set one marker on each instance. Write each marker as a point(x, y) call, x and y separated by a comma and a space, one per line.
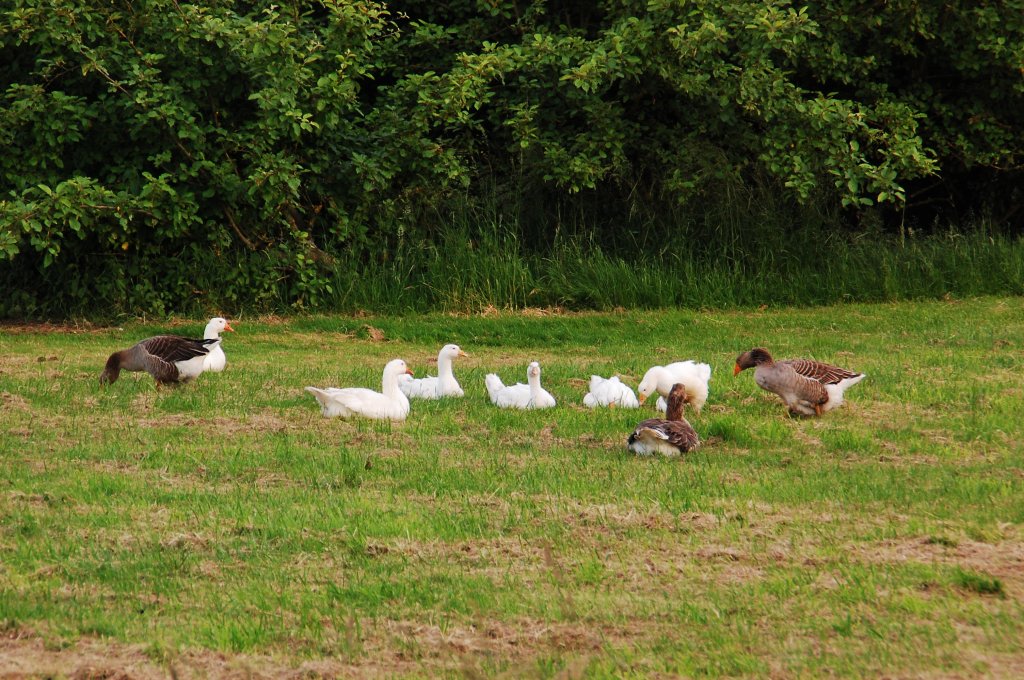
point(216, 360)
point(388, 404)
point(609, 392)
point(807, 387)
point(168, 358)
point(692, 375)
point(668, 436)
point(529, 396)
point(430, 387)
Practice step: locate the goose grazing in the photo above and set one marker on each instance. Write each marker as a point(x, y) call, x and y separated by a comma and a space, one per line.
point(609, 392)
point(807, 387)
point(168, 358)
point(669, 436)
point(660, 379)
point(389, 404)
point(216, 361)
point(519, 395)
point(444, 385)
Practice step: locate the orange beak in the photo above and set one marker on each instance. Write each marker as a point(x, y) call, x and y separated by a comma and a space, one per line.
point(409, 371)
point(642, 398)
point(227, 327)
point(736, 370)
point(462, 354)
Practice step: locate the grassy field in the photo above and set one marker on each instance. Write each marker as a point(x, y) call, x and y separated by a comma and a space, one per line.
point(225, 528)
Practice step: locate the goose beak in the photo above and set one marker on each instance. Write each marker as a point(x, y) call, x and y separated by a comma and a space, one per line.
point(642, 398)
point(736, 370)
point(462, 354)
point(227, 327)
point(409, 371)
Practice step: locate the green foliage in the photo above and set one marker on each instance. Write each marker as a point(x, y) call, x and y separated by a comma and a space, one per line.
point(282, 137)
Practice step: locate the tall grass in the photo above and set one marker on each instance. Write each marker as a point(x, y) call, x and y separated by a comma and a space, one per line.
point(742, 248)
point(491, 266)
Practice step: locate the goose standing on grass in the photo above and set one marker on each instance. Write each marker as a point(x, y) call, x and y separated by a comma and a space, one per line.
point(669, 436)
point(168, 358)
point(528, 396)
point(694, 377)
point(389, 404)
point(444, 385)
point(215, 360)
point(806, 386)
point(609, 392)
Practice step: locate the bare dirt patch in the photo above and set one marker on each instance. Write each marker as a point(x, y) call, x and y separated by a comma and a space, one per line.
point(45, 327)
point(384, 648)
point(1004, 560)
point(14, 402)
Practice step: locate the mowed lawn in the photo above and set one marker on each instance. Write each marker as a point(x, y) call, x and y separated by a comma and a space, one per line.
point(224, 528)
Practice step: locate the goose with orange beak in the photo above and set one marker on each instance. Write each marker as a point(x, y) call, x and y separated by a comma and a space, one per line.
point(216, 360)
point(806, 386)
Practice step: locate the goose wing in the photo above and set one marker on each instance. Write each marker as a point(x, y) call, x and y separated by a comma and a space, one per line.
point(826, 374)
point(678, 433)
point(174, 348)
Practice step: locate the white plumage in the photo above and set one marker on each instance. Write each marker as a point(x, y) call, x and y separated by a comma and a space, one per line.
point(216, 360)
point(609, 392)
point(444, 385)
point(694, 377)
point(528, 396)
point(390, 404)
point(835, 392)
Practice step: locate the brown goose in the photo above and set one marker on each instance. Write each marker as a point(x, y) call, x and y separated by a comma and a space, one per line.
point(669, 436)
point(168, 358)
point(807, 387)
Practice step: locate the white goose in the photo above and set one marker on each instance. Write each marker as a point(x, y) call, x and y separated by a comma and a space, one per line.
point(390, 404)
point(528, 396)
point(693, 376)
point(609, 392)
point(444, 385)
point(216, 361)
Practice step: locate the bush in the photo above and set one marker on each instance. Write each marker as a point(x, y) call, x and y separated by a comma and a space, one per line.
point(158, 156)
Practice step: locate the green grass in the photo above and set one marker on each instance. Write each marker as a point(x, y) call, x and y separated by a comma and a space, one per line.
point(225, 522)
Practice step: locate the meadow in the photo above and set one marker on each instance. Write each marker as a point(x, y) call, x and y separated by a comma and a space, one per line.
point(225, 529)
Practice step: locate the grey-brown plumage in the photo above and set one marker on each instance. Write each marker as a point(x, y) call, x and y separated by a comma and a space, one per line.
point(669, 436)
point(168, 358)
point(806, 386)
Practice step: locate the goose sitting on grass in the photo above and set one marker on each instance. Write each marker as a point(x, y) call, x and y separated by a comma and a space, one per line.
point(669, 436)
point(444, 385)
point(389, 404)
point(694, 377)
point(528, 396)
point(609, 392)
point(169, 359)
point(807, 387)
point(216, 361)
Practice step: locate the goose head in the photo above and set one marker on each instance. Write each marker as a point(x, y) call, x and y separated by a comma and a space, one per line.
point(217, 325)
point(451, 352)
point(533, 372)
point(758, 356)
point(649, 384)
point(392, 370)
